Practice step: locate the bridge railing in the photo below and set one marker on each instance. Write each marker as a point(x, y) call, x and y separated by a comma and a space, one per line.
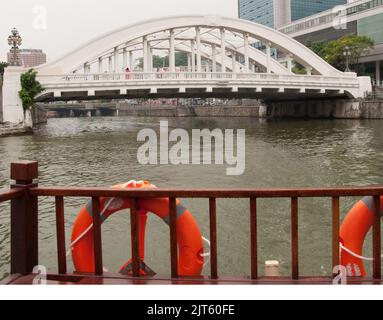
point(24, 220)
point(192, 76)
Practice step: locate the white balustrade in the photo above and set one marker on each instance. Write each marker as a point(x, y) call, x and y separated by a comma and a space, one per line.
point(189, 78)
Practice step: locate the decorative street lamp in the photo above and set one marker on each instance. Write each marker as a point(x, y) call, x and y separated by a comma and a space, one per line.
point(14, 40)
point(347, 53)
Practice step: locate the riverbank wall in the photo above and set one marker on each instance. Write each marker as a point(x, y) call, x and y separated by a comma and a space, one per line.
point(327, 109)
point(315, 109)
point(191, 111)
point(7, 130)
point(39, 115)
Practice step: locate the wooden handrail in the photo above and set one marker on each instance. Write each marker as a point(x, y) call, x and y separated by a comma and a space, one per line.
point(24, 195)
point(11, 194)
point(209, 193)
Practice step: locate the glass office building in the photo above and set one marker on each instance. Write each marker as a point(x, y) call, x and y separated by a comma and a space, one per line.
point(260, 11)
point(276, 13)
point(303, 8)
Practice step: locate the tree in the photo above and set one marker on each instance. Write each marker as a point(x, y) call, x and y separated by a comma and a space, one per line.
point(3, 65)
point(318, 47)
point(333, 51)
point(359, 45)
point(30, 88)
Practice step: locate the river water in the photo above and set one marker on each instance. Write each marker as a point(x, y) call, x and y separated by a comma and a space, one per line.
point(103, 152)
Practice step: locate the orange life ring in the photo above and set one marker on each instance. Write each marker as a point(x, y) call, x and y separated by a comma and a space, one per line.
point(190, 241)
point(354, 230)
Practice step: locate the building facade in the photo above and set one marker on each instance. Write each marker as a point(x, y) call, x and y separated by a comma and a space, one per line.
point(304, 8)
point(276, 13)
point(29, 58)
point(363, 17)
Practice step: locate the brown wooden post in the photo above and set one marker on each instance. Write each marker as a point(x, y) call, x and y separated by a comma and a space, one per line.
point(173, 237)
point(335, 233)
point(24, 219)
point(135, 236)
point(295, 238)
point(213, 238)
point(97, 237)
point(254, 238)
point(377, 241)
point(60, 230)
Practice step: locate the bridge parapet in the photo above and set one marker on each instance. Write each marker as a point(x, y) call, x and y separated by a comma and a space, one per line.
point(182, 83)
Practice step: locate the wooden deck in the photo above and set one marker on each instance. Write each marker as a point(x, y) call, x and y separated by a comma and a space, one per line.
point(117, 279)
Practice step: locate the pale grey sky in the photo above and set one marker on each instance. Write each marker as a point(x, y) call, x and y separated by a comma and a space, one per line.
point(70, 23)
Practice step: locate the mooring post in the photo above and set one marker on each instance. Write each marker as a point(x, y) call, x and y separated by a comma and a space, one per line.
point(24, 219)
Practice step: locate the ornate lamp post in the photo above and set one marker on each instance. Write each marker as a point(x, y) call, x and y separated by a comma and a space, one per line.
point(347, 53)
point(14, 40)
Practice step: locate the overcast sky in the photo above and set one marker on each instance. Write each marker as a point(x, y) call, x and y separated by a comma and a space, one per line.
point(70, 23)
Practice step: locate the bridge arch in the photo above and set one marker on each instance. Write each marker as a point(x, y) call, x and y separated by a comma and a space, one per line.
point(224, 34)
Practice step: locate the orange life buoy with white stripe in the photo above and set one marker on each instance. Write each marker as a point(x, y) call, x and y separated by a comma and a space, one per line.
point(354, 230)
point(190, 241)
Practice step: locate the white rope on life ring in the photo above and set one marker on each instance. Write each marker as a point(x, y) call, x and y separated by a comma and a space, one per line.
point(342, 247)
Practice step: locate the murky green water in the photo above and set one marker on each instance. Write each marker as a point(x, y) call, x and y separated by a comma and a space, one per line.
point(102, 152)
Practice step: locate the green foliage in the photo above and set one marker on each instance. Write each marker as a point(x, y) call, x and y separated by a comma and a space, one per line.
point(318, 47)
point(30, 88)
point(333, 51)
point(299, 69)
point(3, 65)
point(161, 62)
point(358, 45)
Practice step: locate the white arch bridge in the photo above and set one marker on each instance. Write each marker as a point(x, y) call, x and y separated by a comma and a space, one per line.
point(226, 58)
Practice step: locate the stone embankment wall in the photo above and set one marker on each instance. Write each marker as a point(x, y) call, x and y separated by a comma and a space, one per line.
point(327, 109)
point(39, 115)
point(13, 130)
point(191, 111)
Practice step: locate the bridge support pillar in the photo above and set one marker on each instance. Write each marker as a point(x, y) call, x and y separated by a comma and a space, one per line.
point(110, 64)
point(268, 54)
point(115, 53)
point(199, 57)
point(146, 54)
point(193, 55)
point(150, 59)
point(100, 66)
point(234, 62)
point(214, 55)
point(124, 59)
point(246, 48)
point(172, 56)
point(223, 49)
point(13, 111)
point(378, 72)
point(290, 63)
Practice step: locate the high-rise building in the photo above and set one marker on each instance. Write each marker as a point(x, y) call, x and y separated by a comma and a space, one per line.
point(276, 13)
point(29, 58)
point(362, 17)
point(303, 8)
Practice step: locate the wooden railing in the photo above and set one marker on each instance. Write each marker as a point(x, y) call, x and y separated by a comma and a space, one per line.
point(24, 195)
